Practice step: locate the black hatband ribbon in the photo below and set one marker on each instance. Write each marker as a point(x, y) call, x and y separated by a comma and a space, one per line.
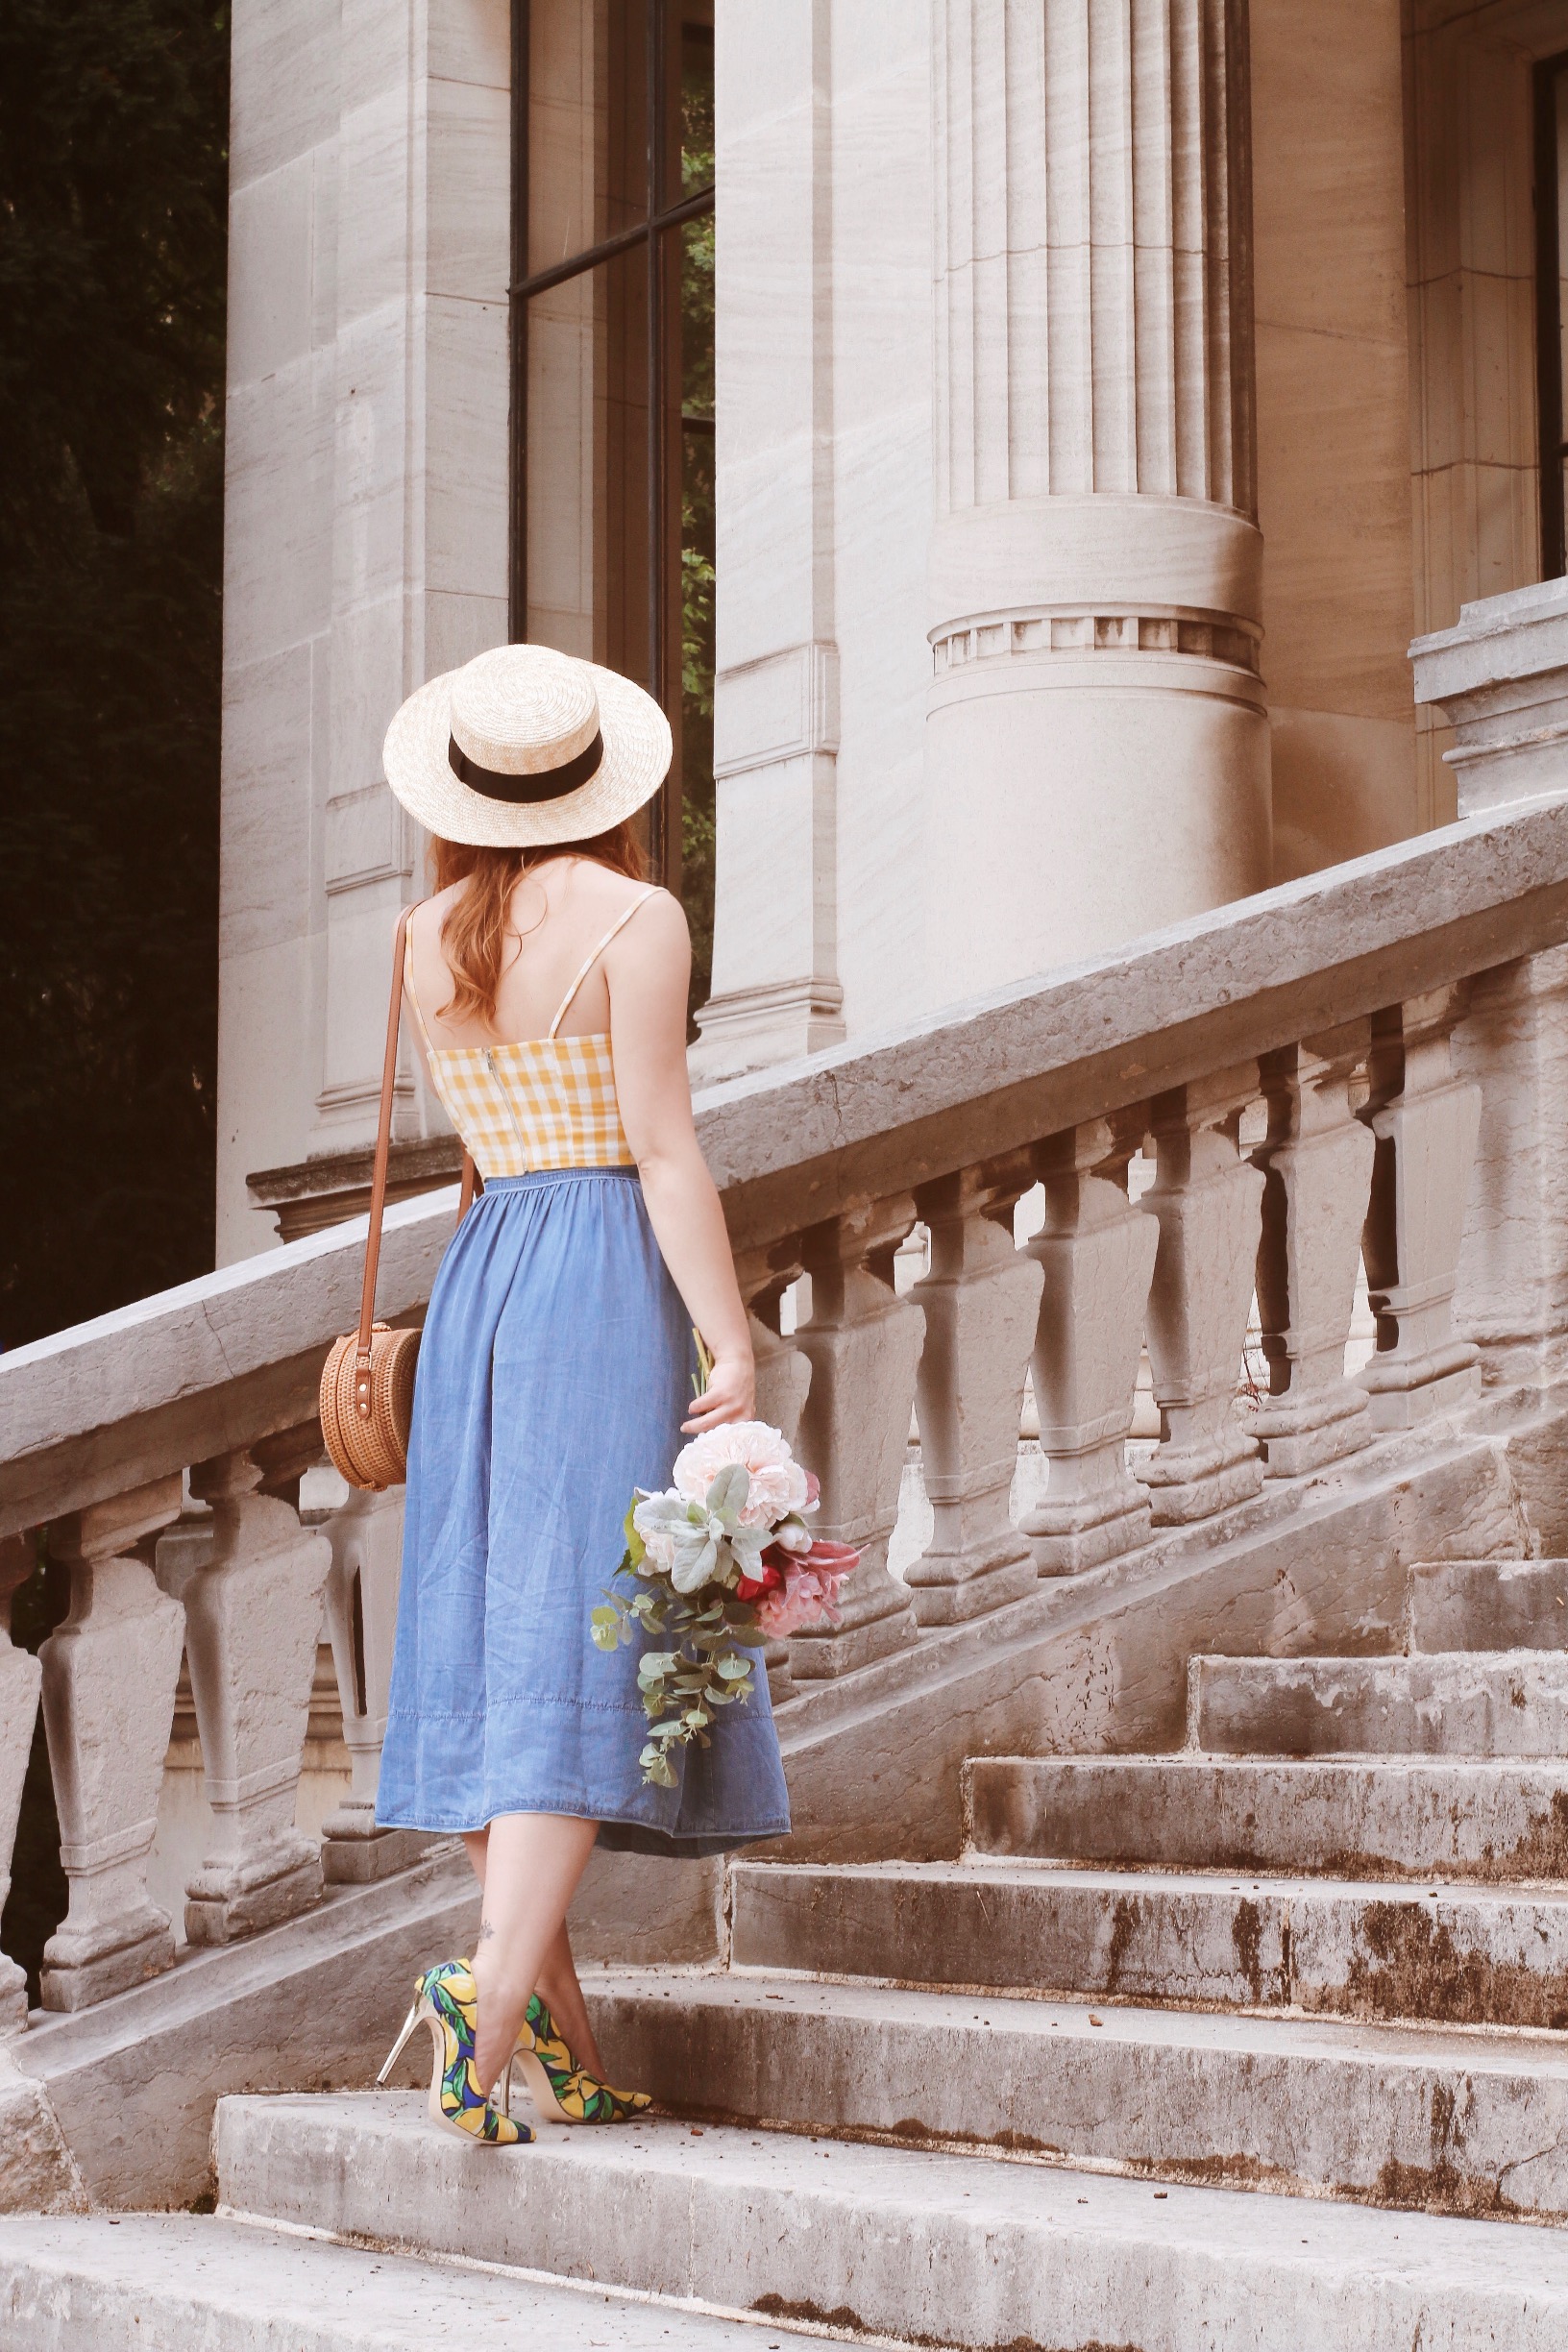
point(549, 784)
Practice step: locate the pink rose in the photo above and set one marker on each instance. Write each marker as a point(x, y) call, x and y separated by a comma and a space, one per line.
point(778, 1484)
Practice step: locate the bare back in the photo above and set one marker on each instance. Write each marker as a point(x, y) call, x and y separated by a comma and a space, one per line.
point(560, 911)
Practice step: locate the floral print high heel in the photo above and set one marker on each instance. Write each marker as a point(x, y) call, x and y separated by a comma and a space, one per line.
point(447, 1999)
point(562, 2090)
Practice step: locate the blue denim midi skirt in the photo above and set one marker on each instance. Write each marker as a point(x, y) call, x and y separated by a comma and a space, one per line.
point(555, 1373)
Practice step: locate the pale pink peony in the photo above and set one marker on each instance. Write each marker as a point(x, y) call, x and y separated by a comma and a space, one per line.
point(811, 1593)
point(778, 1484)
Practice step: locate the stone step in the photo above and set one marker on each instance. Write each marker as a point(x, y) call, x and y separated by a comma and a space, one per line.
point(174, 2283)
point(1375, 1951)
point(1391, 1819)
point(918, 2244)
point(1447, 2122)
point(1454, 1704)
point(1489, 1604)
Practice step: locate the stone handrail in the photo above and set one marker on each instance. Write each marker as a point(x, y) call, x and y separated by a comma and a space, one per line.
point(1360, 1018)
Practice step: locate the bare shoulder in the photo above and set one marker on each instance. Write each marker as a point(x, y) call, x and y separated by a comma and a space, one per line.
point(660, 926)
point(427, 914)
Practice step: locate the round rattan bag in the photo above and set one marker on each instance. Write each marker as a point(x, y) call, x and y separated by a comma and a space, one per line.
point(367, 1381)
point(367, 1405)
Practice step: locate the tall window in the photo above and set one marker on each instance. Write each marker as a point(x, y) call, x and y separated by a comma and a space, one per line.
point(612, 376)
point(1552, 299)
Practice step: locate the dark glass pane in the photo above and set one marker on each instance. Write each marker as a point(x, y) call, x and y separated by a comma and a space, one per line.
point(694, 241)
point(1559, 95)
point(587, 426)
point(686, 164)
point(587, 124)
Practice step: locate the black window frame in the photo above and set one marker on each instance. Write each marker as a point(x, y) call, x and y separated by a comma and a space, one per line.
point(1551, 446)
point(663, 673)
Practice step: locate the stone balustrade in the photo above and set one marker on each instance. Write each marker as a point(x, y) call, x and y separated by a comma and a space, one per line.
point(1349, 1070)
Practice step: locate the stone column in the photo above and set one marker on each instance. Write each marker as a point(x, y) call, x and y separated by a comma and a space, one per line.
point(981, 1301)
point(1426, 1123)
point(361, 1619)
point(252, 1616)
point(775, 981)
point(1097, 1251)
point(1317, 1165)
point(1206, 1198)
point(109, 1680)
point(1501, 676)
point(863, 1345)
point(1097, 747)
point(783, 1381)
point(20, 1678)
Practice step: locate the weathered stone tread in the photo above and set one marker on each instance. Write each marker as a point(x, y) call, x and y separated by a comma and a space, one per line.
point(939, 2248)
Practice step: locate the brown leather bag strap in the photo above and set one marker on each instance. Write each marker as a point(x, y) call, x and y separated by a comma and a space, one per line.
point(384, 1146)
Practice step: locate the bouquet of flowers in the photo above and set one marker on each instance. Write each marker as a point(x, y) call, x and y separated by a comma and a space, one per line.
point(718, 1563)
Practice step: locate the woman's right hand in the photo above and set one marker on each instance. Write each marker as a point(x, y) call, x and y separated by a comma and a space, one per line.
point(730, 1395)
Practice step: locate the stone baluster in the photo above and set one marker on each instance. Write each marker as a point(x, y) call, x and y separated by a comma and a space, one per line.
point(366, 1538)
point(1426, 1123)
point(981, 1302)
point(1096, 1254)
point(1206, 1199)
point(110, 1672)
point(1318, 1170)
point(783, 1380)
point(864, 1344)
point(253, 1621)
point(19, 1679)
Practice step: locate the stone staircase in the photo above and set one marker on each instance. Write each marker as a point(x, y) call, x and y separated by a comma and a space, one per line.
point(1008, 2101)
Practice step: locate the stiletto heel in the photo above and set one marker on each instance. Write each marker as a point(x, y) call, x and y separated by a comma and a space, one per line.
point(401, 2043)
point(446, 2000)
point(561, 2091)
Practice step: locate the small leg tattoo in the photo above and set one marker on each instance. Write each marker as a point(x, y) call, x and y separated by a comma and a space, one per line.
point(486, 1931)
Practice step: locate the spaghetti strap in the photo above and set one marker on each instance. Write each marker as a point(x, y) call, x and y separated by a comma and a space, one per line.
point(619, 925)
point(408, 975)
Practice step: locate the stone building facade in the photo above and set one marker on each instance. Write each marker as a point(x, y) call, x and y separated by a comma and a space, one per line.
point(1019, 440)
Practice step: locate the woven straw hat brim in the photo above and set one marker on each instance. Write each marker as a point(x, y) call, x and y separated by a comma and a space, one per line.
point(638, 746)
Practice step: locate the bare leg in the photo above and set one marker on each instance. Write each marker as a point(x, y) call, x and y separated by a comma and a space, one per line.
point(532, 1863)
point(562, 1996)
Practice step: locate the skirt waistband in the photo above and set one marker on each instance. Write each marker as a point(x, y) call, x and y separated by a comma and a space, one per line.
point(534, 1177)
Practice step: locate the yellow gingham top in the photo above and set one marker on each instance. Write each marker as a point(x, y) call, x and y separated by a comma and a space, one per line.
point(541, 1103)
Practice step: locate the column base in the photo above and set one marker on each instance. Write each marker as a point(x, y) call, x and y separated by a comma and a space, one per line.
point(223, 1905)
point(1068, 1537)
point(78, 1972)
point(13, 1998)
point(355, 1851)
point(1408, 1394)
point(949, 1587)
point(882, 1623)
point(1322, 1427)
point(775, 1658)
point(1188, 1482)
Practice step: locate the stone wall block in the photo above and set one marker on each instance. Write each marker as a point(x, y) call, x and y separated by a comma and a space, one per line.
point(1317, 1168)
point(366, 1538)
point(1426, 1123)
point(1096, 1254)
point(20, 1678)
point(981, 1301)
point(110, 1672)
point(1206, 1199)
point(253, 1619)
point(863, 1345)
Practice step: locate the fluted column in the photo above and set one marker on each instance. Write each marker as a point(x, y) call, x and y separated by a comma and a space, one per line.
point(1094, 578)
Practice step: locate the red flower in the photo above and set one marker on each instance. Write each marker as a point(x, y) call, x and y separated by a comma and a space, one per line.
point(772, 1578)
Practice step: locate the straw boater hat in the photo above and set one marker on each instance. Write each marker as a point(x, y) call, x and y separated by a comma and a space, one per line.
point(523, 747)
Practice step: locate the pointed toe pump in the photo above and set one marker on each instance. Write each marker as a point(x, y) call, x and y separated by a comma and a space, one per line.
point(447, 1999)
point(562, 2090)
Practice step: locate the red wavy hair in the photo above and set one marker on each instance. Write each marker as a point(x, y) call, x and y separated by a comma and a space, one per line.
point(474, 934)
